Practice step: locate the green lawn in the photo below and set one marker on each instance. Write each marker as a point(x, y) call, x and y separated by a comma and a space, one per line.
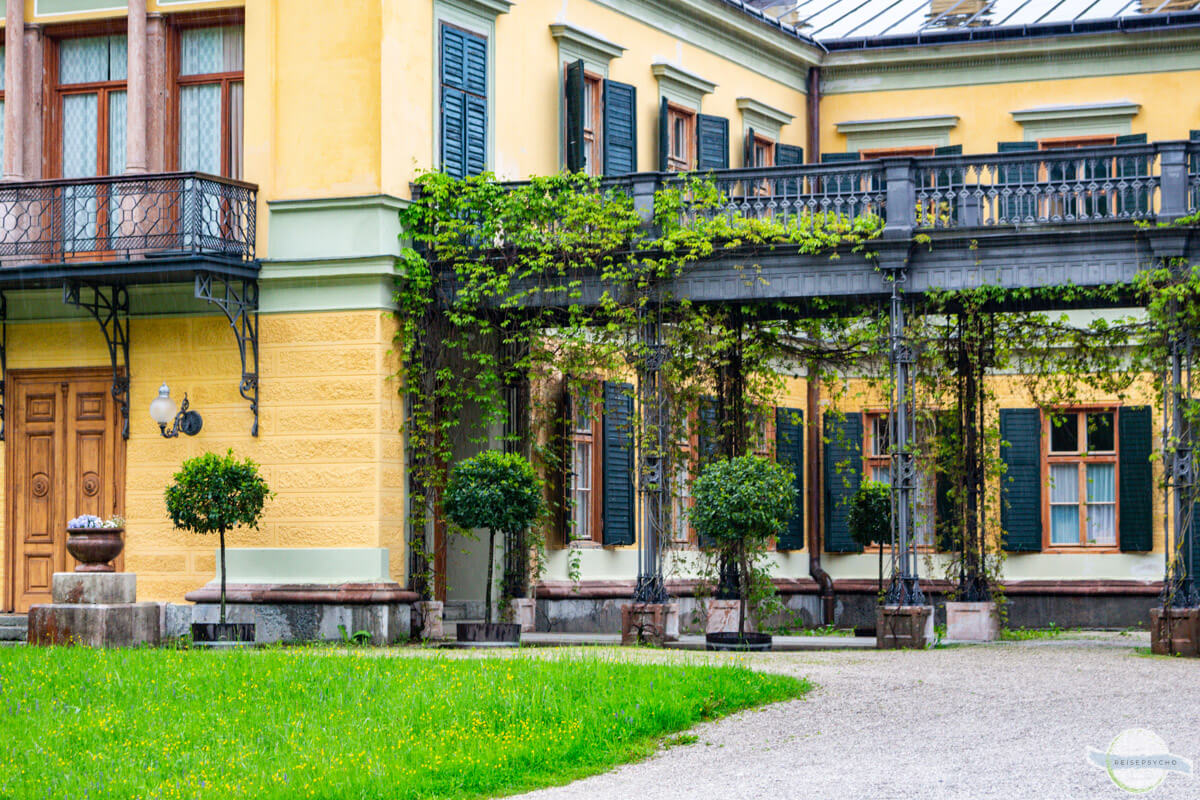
point(78, 723)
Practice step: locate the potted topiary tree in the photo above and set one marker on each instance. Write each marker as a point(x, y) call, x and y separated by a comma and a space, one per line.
point(215, 494)
point(501, 493)
point(870, 518)
point(739, 504)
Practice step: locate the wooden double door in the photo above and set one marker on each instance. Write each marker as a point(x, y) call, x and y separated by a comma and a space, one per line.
point(64, 457)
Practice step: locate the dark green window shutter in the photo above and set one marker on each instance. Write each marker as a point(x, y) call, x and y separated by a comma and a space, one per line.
point(1136, 489)
point(574, 115)
point(1194, 167)
point(620, 128)
point(464, 102)
point(840, 184)
point(844, 449)
point(712, 142)
point(788, 155)
point(1191, 547)
point(618, 463)
point(789, 451)
point(1011, 203)
point(664, 134)
point(1133, 200)
point(748, 148)
point(1021, 491)
point(946, 521)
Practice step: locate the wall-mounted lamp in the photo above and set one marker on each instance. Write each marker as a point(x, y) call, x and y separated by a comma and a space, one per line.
point(162, 411)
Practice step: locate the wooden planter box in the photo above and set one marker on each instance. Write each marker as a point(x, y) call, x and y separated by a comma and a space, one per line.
point(649, 623)
point(1185, 631)
point(903, 627)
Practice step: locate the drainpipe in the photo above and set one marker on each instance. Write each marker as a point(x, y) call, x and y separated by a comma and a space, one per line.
point(813, 146)
point(824, 581)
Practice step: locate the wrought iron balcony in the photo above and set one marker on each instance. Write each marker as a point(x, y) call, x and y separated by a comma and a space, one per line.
point(1047, 187)
point(99, 228)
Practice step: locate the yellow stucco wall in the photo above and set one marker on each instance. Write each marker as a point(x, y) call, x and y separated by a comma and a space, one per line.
point(984, 111)
point(329, 441)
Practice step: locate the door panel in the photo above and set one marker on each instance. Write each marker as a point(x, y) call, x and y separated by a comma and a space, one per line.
point(65, 457)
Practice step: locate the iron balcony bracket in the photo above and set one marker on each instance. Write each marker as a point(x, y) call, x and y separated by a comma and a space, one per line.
point(110, 307)
point(3, 356)
point(238, 298)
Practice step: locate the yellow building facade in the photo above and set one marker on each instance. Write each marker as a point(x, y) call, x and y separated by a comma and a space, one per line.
point(316, 118)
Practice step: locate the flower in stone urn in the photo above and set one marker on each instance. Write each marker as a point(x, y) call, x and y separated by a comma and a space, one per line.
point(95, 542)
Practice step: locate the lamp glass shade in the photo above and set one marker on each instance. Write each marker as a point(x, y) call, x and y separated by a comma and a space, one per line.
point(162, 408)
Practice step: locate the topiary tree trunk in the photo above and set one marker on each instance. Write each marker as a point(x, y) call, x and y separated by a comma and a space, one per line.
point(221, 533)
point(491, 563)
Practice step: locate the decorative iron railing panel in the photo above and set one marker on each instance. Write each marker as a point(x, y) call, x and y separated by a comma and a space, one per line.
point(784, 193)
point(1039, 187)
point(177, 214)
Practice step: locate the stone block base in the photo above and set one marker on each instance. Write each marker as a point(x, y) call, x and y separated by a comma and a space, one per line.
point(902, 627)
point(972, 622)
point(649, 623)
point(521, 610)
point(89, 588)
point(387, 623)
point(427, 618)
point(1184, 637)
point(95, 625)
point(723, 617)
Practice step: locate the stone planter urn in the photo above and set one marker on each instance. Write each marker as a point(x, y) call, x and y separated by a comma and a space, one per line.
point(972, 622)
point(427, 620)
point(95, 548)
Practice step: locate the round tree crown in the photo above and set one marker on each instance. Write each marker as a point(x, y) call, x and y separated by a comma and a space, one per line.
point(215, 493)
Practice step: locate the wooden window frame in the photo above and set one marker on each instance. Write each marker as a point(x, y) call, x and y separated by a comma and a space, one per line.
point(872, 460)
point(686, 160)
point(1081, 457)
point(177, 82)
point(54, 92)
point(896, 152)
point(767, 145)
point(595, 438)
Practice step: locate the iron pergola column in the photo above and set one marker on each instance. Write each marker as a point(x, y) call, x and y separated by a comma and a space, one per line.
point(1179, 586)
point(905, 589)
point(652, 473)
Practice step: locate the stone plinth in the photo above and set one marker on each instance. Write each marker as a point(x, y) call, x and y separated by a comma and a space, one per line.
point(903, 627)
point(95, 609)
point(1184, 637)
point(92, 588)
point(723, 617)
point(290, 613)
point(649, 623)
point(522, 611)
point(972, 622)
point(94, 625)
point(427, 620)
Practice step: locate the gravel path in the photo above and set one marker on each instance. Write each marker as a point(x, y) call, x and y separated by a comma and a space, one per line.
point(1008, 721)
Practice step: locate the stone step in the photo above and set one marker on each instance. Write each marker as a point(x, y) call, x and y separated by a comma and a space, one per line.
point(14, 627)
point(12, 634)
point(11, 644)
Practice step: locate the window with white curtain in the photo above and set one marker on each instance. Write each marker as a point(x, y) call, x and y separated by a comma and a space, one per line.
point(1082, 475)
point(211, 100)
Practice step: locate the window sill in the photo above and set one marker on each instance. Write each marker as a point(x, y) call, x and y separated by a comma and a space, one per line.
point(584, 544)
point(1107, 549)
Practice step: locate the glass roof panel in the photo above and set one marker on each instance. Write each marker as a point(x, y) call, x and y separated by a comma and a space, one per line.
point(831, 20)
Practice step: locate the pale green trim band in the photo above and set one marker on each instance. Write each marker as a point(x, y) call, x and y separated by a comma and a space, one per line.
point(763, 118)
point(1095, 119)
point(591, 47)
point(338, 228)
point(723, 31)
point(873, 134)
point(680, 86)
point(939, 122)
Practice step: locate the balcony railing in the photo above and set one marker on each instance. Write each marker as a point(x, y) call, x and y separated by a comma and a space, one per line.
point(160, 215)
point(1038, 188)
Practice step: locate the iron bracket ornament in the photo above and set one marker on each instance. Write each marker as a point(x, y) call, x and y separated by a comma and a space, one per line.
point(239, 300)
point(109, 305)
